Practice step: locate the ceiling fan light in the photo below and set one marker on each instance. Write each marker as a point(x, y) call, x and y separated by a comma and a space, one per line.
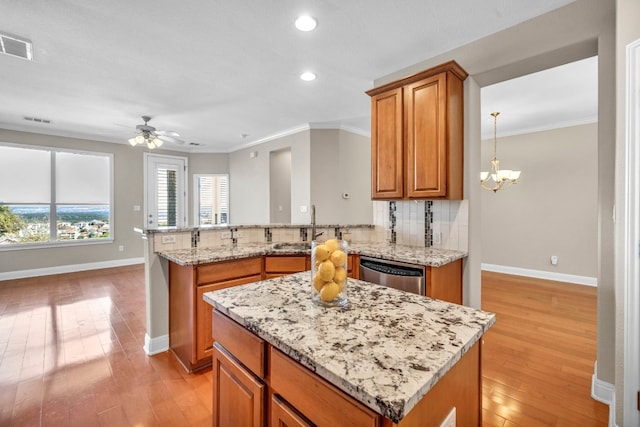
point(484, 176)
point(515, 175)
point(158, 142)
point(133, 142)
point(151, 145)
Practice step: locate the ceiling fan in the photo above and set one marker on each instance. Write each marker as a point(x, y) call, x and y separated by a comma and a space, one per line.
point(153, 138)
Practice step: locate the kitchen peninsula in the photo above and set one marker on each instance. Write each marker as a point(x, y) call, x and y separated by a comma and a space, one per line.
point(388, 358)
point(194, 271)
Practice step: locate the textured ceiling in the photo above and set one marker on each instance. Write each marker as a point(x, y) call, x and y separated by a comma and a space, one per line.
point(213, 71)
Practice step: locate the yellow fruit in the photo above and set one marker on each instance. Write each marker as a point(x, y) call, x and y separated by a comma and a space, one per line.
point(340, 275)
point(338, 258)
point(326, 270)
point(332, 244)
point(340, 286)
point(322, 252)
point(318, 282)
point(329, 291)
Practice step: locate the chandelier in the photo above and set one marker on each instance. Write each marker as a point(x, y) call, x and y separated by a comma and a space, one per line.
point(497, 178)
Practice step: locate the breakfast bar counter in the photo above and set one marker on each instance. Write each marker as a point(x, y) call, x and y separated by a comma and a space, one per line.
point(386, 349)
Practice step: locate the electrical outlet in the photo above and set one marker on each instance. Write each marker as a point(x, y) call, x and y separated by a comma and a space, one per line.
point(121, 248)
point(437, 237)
point(303, 209)
point(225, 235)
point(450, 421)
point(168, 239)
point(554, 260)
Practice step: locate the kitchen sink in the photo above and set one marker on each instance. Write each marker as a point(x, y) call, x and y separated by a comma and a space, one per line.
point(299, 246)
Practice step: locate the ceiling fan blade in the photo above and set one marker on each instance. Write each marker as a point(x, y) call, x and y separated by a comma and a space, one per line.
point(170, 139)
point(167, 133)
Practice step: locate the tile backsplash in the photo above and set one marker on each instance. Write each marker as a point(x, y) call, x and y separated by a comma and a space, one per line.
point(442, 224)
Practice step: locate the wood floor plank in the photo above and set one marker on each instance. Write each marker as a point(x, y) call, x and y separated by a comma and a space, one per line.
point(538, 359)
point(71, 354)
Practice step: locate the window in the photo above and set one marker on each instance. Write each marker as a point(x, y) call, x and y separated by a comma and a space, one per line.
point(212, 199)
point(50, 196)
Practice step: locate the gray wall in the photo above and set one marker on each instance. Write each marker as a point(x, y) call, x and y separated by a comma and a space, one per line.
point(552, 210)
point(249, 180)
point(280, 186)
point(341, 163)
point(324, 164)
point(127, 193)
point(579, 30)
point(627, 31)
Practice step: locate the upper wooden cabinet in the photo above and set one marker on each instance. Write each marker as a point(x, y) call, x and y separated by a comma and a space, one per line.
point(417, 136)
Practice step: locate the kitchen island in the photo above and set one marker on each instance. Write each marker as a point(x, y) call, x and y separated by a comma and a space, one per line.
point(392, 356)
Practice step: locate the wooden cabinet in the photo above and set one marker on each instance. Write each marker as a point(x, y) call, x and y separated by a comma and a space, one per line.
point(417, 136)
point(445, 282)
point(353, 266)
point(238, 395)
point(189, 316)
point(281, 265)
point(312, 395)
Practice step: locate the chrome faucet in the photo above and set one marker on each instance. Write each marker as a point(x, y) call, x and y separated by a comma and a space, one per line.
point(314, 236)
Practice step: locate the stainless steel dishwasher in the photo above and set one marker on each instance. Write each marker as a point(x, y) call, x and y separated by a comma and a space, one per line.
point(398, 275)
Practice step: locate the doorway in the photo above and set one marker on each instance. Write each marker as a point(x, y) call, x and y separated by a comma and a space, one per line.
point(165, 191)
point(280, 186)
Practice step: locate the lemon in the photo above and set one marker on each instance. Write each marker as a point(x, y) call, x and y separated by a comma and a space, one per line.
point(338, 258)
point(318, 282)
point(340, 286)
point(326, 270)
point(322, 252)
point(329, 291)
point(340, 275)
point(332, 245)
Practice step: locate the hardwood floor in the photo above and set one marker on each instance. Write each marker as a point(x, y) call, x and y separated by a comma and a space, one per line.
point(71, 354)
point(538, 358)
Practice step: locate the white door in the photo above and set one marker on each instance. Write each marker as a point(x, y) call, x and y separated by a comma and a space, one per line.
point(166, 191)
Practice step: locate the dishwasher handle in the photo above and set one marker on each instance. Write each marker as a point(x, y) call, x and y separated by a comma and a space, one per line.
point(394, 270)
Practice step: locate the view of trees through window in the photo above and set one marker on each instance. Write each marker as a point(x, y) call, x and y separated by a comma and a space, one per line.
point(49, 195)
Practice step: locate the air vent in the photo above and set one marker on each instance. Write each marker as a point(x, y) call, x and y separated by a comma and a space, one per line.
point(16, 46)
point(37, 120)
point(195, 144)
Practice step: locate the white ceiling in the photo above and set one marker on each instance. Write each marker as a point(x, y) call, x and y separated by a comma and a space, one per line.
point(558, 97)
point(213, 71)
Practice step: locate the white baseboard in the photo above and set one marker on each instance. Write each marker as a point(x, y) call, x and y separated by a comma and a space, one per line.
point(604, 392)
point(72, 268)
point(155, 345)
point(539, 274)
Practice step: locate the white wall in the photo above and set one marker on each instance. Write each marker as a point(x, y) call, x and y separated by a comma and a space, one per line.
point(552, 210)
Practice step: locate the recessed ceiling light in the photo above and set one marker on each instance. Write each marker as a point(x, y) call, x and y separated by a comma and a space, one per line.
point(307, 76)
point(306, 23)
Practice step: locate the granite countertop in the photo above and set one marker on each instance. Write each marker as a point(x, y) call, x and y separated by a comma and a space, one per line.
point(424, 256)
point(386, 348)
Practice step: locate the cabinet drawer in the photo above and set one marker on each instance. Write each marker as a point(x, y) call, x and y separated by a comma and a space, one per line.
point(227, 270)
point(248, 348)
point(284, 264)
point(311, 395)
point(284, 415)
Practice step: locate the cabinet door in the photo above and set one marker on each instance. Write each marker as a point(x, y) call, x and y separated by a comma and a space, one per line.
point(275, 266)
point(426, 137)
point(204, 341)
point(238, 396)
point(283, 415)
point(386, 145)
